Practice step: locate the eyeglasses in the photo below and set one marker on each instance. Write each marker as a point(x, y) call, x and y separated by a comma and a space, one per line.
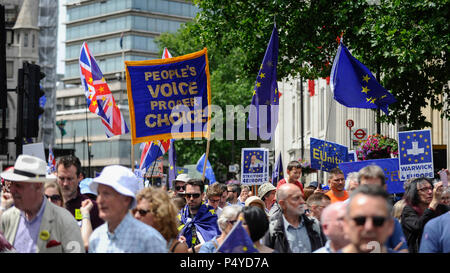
point(232, 222)
point(426, 189)
point(214, 201)
point(377, 221)
point(141, 212)
point(177, 188)
point(189, 195)
point(231, 191)
point(54, 197)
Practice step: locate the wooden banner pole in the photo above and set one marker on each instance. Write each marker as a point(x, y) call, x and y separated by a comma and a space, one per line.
point(132, 157)
point(206, 160)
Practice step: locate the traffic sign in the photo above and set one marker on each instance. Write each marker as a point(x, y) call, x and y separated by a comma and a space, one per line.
point(360, 134)
point(350, 123)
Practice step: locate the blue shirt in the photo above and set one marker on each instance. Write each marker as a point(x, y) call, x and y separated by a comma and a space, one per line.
point(297, 237)
point(436, 235)
point(396, 237)
point(28, 232)
point(325, 249)
point(130, 236)
point(209, 246)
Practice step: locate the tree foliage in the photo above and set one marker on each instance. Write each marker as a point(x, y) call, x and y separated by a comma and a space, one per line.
point(405, 42)
point(228, 87)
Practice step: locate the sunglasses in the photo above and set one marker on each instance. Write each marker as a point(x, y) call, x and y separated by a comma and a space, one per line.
point(54, 197)
point(141, 212)
point(232, 222)
point(189, 195)
point(377, 221)
point(180, 187)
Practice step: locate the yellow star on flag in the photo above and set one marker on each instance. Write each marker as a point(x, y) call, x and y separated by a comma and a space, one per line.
point(366, 78)
point(365, 89)
point(90, 80)
point(101, 88)
point(258, 84)
point(94, 103)
point(103, 98)
point(262, 75)
point(110, 104)
point(373, 100)
point(368, 99)
point(244, 248)
point(212, 211)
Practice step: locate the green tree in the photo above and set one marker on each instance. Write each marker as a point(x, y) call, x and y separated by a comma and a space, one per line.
point(228, 87)
point(405, 42)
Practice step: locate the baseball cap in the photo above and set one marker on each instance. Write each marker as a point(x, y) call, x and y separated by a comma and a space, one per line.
point(264, 189)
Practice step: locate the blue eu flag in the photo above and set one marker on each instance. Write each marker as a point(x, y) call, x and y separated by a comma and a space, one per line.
point(263, 114)
point(354, 85)
point(237, 241)
point(277, 173)
point(209, 173)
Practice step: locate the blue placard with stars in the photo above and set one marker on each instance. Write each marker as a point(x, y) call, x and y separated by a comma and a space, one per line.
point(352, 156)
point(415, 154)
point(326, 155)
point(389, 166)
point(254, 166)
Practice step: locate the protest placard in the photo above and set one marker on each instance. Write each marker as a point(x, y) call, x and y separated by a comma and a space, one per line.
point(326, 155)
point(254, 166)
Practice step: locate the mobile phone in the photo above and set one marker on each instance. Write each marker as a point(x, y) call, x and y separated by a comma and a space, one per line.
point(320, 186)
point(444, 178)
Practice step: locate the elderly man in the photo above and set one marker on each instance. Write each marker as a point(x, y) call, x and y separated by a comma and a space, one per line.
point(332, 224)
point(69, 176)
point(116, 189)
point(179, 184)
point(292, 231)
point(368, 221)
point(337, 184)
point(351, 183)
point(34, 224)
point(198, 220)
point(267, 194)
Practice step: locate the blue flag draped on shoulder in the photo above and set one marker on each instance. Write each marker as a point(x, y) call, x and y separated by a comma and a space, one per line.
point(263, 114)
point(354, 85)
point(277, 173)
point(209, 173)
point(205, 222)
point(237, 241)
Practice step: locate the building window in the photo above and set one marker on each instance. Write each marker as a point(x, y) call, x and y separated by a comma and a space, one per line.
point(10, 69)
point(9, 37)
point(33, 41)
point(18, 38)
point(25, 40)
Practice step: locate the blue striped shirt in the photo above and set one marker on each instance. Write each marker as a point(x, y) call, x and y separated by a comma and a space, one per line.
point(130, 236)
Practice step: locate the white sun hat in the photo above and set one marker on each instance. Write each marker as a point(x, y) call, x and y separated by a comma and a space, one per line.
point(28, 169)
point(120, 178)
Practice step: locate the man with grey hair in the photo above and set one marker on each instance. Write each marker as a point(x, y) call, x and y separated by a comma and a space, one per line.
point(368, 222)
point(291, 231)
point(34, 224)
point(332, 225)
point(371, 174)
point(351, 183)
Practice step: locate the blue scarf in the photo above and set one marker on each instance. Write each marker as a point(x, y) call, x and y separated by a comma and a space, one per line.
point(205, 222)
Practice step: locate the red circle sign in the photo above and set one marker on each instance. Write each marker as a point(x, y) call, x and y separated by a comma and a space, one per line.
point(360, 134)
point(349, 123)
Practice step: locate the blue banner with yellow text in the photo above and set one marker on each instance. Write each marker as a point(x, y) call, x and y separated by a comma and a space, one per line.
point(326, 155)
point(169, 98)
point(389, 165)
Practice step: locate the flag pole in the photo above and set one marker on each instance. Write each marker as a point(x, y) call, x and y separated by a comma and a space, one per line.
point(132, 156)
point(206, 159)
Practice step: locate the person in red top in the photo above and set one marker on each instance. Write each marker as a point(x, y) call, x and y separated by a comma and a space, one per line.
point(337, 184)
point(294, 171)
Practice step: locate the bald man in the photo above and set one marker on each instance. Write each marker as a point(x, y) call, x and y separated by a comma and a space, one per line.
point(332, 225)
point(291, 231)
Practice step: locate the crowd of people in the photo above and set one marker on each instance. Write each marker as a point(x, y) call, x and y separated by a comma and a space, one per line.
point(113, 213)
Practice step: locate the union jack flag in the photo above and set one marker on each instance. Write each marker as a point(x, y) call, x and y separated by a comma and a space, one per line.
point(98, 96)
point(154, 149)
point(51, 160)
point(151, 151)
